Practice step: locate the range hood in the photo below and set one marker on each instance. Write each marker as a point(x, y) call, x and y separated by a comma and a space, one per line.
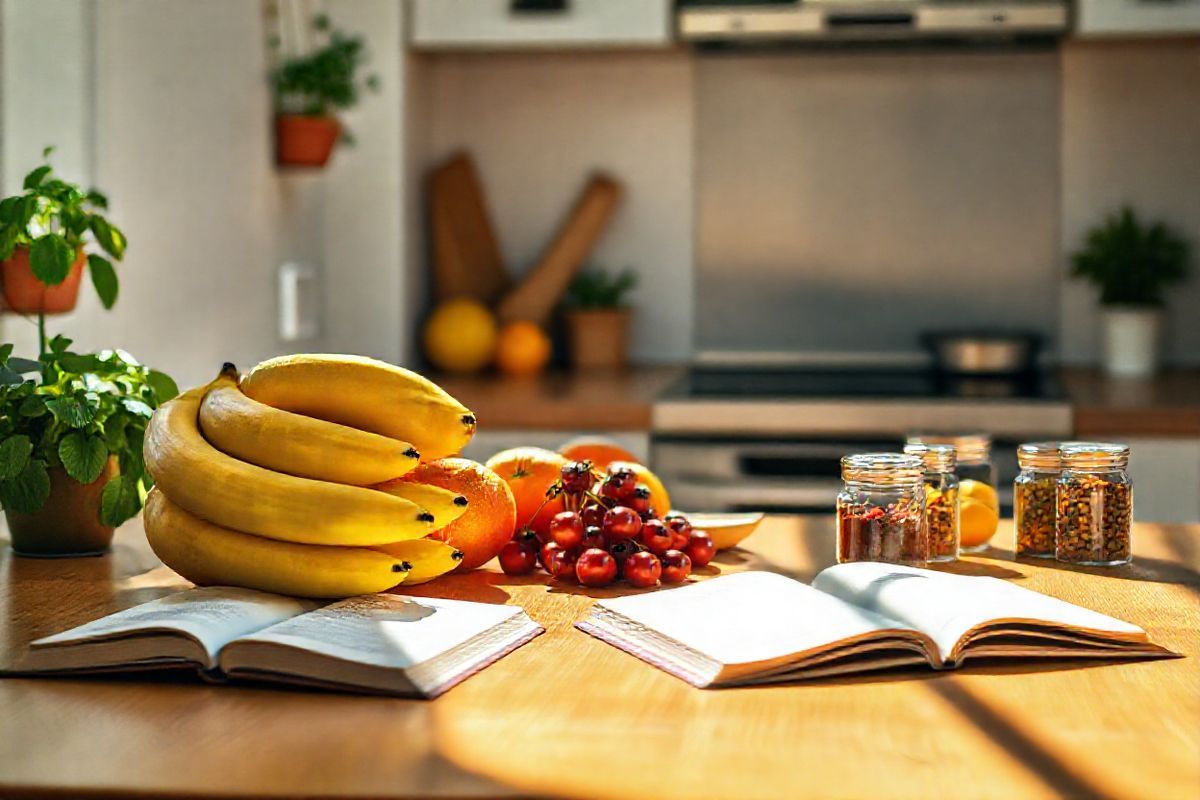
point(813, 21)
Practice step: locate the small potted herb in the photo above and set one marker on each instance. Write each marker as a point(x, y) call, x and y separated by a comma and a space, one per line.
point(71, 428)
point(598, 320)
point(1132, 264)
point(43, 234)
point(309, 90)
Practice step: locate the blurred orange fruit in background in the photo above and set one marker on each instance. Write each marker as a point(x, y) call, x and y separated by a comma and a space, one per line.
point(596, 449)
point(529, 472)
point(523, 349)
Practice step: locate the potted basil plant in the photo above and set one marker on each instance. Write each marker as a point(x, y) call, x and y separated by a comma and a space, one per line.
point(71, 429)
point(1132, 264)
point(598, 319)
point(309, 91)
point(44, 232)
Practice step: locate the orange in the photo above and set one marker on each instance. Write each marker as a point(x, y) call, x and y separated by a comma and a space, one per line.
point(460, 335)
point(523, 349)
point(491, 513)
point(660, 501)
point(977, 522)
point(529, 472)
point(596, 449)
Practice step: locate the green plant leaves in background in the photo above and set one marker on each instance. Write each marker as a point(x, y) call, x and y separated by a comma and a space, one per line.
point(119, 501)
point(83, 456)
point(27, 491)
point(50, 258)
point(71, 411)
point(14, 455)
point(109, 236)
point(164, 385)
point(104, 278)
point(34, 179)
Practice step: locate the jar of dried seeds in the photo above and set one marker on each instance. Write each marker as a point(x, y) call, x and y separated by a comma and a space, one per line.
point(941, 498)
point(1095, 505)
point(1034, 493)
point(881, 510)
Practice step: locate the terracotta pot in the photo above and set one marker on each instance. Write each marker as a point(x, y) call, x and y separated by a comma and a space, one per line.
point(25, 294)
point(305, 141)
point(69, 523)
point(599, 337)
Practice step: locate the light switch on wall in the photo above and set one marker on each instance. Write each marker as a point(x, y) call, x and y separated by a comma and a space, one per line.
point(299, 302)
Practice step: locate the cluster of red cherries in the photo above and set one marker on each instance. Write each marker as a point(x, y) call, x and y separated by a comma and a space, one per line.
point(608, 531)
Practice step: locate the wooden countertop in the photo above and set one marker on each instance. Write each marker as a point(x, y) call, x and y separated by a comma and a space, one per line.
point(568, 715)
point(1167, 405)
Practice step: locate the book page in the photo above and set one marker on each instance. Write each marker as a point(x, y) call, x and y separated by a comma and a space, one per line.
point(947, 606)
point(384, 630)
point(213, 616)
point(749, 617)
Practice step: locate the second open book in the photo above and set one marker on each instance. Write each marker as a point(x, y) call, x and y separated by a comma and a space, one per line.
point(760, 627)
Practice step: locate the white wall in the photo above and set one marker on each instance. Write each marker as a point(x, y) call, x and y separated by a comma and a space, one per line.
point(539, 123)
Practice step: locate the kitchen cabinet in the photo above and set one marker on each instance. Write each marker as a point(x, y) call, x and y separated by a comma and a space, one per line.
point(518, 24)
point(1137, 17)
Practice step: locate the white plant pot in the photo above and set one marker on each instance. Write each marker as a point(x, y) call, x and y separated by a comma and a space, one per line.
point(1131, 340)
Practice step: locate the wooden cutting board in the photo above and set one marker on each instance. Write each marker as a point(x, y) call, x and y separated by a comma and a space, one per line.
point(536, 296)
point(466, 256)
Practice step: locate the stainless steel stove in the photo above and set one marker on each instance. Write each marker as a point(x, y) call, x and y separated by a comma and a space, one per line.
point(735, 439)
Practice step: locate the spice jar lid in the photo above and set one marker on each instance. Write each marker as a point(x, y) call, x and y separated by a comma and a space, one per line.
point(1094, 455)
point(935, 457)
point(1041, 455)
point(883, 468)
point(972, 448)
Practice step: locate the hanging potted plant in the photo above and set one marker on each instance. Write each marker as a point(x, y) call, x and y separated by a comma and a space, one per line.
point(598, 320)
point(44, 232)
point(1132, 264)
point(71, 466)
point(309, 90)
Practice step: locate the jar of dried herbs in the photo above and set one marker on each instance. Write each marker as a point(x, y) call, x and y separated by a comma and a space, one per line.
point(881, 510)
point(941, 498)
point(1034, 497)
point(1094, 505)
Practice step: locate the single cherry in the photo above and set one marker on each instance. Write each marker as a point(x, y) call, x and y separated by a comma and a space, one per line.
point(562, 564)
point(676, 566)
point(546, 553)
point(593, 515)
point(624, 478)
point(639, 499)
point(517, 559)
point(700, 548)
point(681, 528)
point(576, 477)
point(642, 569)
point(596, 567)
point(612, 488)
point(566, 528)
point(621, 523)
point(656, 537)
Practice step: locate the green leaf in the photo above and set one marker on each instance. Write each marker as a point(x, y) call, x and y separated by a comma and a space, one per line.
point(34, 179)
point(114, 436)
point(33, 406)
point(164, 385)
point(10, 209)
point(83, 456)
point(10, 378)
point(73, 362)
point(5, 352)
point(60, 343)
point(27, 492)
point(104, 278)
point(47, 150)
point(119, 501)
point(29, 207)
point(14, 455)
point(97, 199)
point(17, 364)
point(71, 411)
point(109, 237)
point(50, 258)
point(137, 407)
point(8, 240)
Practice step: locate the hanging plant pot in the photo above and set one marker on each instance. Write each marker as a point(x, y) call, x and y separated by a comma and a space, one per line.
point(599, 337)
point(69, 523)
point(25, 294)
point(305, 141)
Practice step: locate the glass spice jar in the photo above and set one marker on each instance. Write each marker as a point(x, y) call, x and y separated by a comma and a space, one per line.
point(974, 452)
point(941, 498)
point(881, 510)
point(1094, 516)
point(1034, 497)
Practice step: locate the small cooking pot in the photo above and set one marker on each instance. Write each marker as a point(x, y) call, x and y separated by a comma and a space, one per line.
point(983, 352)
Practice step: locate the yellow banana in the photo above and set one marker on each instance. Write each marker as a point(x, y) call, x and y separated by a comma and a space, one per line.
point(365, 394)
point(285, 442)
point(428, 558)
point(445, 505)
point(208, 555)
point(231, 493)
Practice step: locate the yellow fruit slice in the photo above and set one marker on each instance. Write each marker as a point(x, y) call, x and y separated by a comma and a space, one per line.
point(242, 497)
point(285, 442)
point(978, 490)
point(428, 558)
point(977, 522)
point(209, 555)
point(366, 394)
point(445, 505)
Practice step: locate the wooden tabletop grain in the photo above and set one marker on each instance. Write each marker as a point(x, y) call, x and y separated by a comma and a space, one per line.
point(568, 715)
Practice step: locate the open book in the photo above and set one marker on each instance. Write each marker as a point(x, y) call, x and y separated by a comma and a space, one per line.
point(760, 627)
point(381, 644)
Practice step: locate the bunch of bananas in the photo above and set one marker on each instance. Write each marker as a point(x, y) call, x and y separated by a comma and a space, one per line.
point(264, 482)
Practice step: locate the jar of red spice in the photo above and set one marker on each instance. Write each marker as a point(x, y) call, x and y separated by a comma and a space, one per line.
point(881, 510)
point(941, 498)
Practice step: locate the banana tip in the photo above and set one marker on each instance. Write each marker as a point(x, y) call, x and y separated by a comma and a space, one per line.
point(458, 555)
point(412, 453)
point(468, 420)
point(461, 501)
point(425, 516)
point(403, 566)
